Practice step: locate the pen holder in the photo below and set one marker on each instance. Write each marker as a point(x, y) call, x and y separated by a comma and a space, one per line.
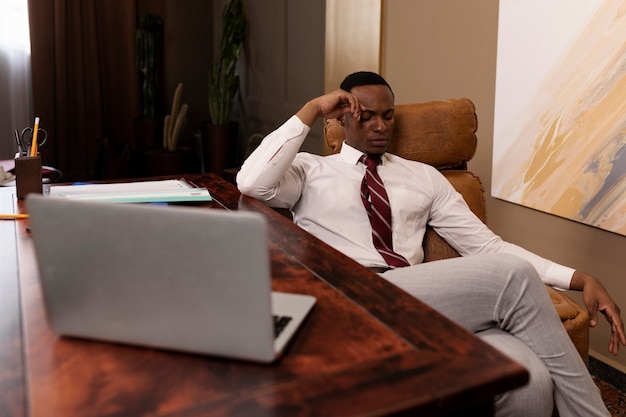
point(28, 176)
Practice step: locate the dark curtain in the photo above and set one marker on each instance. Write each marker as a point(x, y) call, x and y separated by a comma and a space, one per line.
point(86, 87)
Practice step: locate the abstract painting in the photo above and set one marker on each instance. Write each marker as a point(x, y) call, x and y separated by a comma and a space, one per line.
point(560, 109)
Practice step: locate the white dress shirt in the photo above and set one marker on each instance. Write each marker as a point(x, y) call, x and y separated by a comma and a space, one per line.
point(323, 193)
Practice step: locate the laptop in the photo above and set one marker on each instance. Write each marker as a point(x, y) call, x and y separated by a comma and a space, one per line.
point(170, 277)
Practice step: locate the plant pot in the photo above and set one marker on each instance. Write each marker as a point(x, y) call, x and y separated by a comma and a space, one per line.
point(219, 146)
point(160, 161)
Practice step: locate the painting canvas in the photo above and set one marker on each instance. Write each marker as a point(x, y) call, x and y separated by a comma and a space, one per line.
point(560, 109)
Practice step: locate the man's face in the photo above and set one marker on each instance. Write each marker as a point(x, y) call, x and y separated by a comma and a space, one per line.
point(372, 133)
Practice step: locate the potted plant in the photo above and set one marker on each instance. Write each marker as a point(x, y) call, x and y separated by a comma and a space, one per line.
point(171, 158)
point(220, 133)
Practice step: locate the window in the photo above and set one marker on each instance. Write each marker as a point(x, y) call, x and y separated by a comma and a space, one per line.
point(14, 33)
point(16, 110)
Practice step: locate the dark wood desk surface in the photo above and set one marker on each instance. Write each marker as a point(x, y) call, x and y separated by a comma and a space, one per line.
point(368, 348)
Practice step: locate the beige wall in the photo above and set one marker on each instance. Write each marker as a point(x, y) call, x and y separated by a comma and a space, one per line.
point(437, 49)
point(348, 47)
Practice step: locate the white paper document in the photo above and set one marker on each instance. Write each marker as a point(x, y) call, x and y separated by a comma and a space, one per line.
point(161, 191)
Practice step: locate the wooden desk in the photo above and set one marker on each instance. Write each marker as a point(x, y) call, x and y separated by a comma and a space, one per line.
point(368, 348)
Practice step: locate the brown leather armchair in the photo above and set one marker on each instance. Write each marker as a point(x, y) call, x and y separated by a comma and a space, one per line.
point(443, 134)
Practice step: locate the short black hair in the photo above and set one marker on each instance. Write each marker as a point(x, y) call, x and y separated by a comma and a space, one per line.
point(357, 79)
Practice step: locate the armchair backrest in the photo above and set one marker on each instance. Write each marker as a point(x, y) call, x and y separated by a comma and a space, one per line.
point(440, 133)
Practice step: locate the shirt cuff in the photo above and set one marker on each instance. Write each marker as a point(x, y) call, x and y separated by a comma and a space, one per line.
point(559, 276)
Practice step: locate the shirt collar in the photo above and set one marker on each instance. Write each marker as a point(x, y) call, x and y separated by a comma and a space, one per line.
point(352, 155)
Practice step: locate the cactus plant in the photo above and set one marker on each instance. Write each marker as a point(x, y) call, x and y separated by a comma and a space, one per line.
point(175, 121)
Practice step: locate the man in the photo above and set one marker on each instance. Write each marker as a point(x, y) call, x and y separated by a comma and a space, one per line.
point(495, 290)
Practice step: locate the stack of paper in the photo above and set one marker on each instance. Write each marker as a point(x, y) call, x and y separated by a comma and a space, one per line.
point(162, 191)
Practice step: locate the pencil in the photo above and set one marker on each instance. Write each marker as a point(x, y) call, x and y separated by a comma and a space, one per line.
point(13, 216)
point(34, 144)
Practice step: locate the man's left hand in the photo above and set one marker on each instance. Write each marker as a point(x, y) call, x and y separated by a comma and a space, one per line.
point(597, 299)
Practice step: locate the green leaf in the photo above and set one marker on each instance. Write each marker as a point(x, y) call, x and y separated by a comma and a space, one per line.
point(223, 82)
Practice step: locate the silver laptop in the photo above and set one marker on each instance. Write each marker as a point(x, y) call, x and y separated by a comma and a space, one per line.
point(170, 277)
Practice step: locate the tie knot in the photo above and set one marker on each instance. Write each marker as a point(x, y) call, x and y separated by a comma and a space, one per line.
point(370, 161)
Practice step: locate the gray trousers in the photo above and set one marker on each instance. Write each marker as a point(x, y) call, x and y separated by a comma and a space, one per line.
point(502, 300)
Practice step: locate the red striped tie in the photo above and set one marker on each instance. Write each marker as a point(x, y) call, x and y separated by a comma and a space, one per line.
point(378, 210)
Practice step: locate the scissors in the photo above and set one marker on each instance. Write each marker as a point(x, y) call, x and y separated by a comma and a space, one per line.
point(24, 140)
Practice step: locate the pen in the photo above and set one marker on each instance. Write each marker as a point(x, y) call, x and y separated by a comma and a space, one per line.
point(13, 216)
point(33, 144)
